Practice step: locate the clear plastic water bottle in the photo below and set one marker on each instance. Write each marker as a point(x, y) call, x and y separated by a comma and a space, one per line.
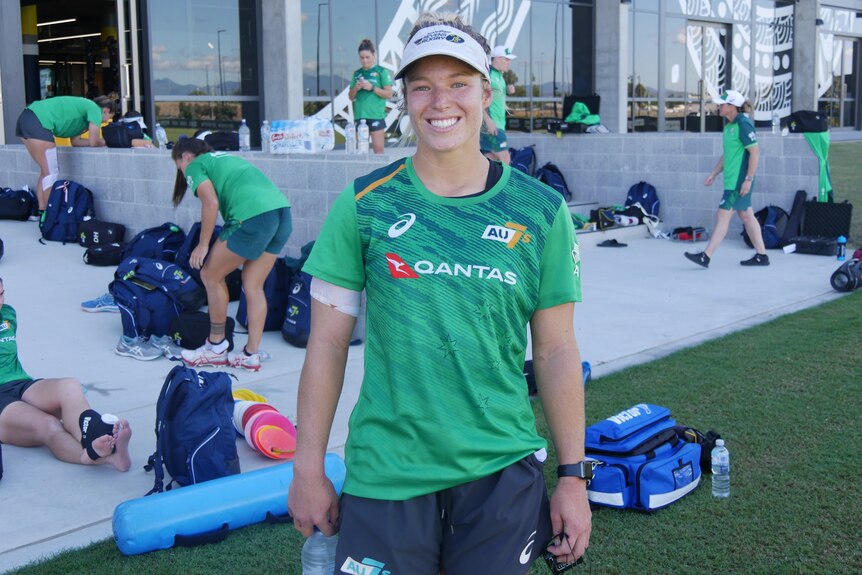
point(318, 554)
point(841, 253)
point(720, 470)
point(776, 122)
point(244, 137)
point(264, 136)
point(350, 137)
point(161, 137)
point(362, 136)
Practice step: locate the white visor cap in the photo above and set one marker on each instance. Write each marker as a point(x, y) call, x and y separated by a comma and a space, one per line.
point(443, 40)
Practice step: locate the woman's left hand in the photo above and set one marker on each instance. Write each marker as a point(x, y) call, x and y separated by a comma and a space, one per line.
point(198, 255)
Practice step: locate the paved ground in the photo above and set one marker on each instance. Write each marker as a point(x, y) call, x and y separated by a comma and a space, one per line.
point(641, 302)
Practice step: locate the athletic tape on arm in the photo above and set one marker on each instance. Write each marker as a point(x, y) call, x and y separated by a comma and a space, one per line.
point(343, 299)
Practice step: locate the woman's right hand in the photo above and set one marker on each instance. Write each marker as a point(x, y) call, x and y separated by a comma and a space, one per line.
point(198, 255)
point(709, 180)
point(312, 502)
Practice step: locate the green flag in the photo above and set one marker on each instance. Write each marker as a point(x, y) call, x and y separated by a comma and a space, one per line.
point(819, 142)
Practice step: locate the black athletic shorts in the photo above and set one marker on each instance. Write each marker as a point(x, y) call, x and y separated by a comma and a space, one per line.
point(30, 127)
point(496, 524)
point(14, 391)
point(373, 125)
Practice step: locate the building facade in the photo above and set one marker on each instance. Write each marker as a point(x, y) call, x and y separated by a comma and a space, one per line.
point(655, 64)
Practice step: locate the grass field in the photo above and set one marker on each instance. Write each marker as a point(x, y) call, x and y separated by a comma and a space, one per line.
point(786, 396)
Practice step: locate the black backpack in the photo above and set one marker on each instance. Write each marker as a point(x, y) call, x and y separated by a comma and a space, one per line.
point(104, 255)
point(773, 221)
point(121, 134)
point(96, 232)
point(297, 321)
point(645, 194)
point(523, 159)
point(16, 204)
point(195, 435)
point(191, 329)
point(550, 175)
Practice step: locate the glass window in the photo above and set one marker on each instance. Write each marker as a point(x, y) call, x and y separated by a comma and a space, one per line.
point(643, 84)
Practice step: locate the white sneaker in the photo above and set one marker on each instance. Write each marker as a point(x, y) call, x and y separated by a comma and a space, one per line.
point(247, 362)
point(205, 356)
point(137, 348)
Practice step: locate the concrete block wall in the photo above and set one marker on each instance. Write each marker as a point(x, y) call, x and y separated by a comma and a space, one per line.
point(134, 186)
point(602, 167)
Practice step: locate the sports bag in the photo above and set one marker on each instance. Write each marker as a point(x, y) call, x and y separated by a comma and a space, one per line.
point(275, 288)
point(807, 121)
point(104, 254)
point(233, 279)
point(523, 159)
point(773, 223)
point(96, 232)
point(644, 465)
point(827, 219)
point(848, 276)
point(69, 204)
point(121, 134)
point(190, 329)
point(160, 243)
point(151, 293)
point(297, 321)
point(550, 175)
point(195, 436)
point(223, 141)
point(16, 204)
point(645, 194)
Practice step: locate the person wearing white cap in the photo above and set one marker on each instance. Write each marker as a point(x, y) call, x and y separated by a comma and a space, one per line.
point(494, 142)
point(458, 256)
point(739, 164)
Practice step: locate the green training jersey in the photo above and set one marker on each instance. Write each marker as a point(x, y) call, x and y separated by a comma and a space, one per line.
point(451, 286)
point(497, 110)
point(243, 191)
point(368, 104)
point(10, 365)
point(738, 138)
point(67, 116)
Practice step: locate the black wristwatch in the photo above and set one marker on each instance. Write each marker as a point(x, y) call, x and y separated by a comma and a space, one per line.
point(582, 469)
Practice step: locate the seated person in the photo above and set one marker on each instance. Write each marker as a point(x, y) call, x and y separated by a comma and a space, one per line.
point(129, 117)
point(53, 412)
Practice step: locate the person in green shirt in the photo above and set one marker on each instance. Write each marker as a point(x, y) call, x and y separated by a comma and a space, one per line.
point(64, 117)
point(494, 142)
point(459, 257)
point(53, 412)
point(739, 164)
point(257, 224)
point(370, 87)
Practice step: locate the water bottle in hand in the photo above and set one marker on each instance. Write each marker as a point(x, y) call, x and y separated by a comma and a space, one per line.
point(264, 136)
point(720, 470)
point(318, 554)
point(244, 137)
point(363, 135)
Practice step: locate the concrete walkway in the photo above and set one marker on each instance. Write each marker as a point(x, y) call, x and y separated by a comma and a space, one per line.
point(641, 302)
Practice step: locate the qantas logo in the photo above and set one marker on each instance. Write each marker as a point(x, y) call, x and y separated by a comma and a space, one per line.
point(402, 225)
point(399, 269)
point(510, 234)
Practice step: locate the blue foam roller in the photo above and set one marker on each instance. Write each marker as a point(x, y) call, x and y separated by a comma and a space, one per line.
point(156, 521)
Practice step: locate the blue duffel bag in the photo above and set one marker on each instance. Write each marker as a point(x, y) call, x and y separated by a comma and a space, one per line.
point(645, 465)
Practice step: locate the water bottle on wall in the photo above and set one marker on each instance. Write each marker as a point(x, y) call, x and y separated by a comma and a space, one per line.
point(264, 137)
point(161, 137)
point(244, 137)
point(362, 137)
point(318, 554)
point(776, 122)
point(720, 470)
point(841, 254)
point(350, 137)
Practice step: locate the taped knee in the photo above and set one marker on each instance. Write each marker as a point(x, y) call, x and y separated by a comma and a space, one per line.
point(48, 181)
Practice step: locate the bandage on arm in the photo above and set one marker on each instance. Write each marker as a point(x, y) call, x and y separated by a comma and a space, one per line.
point(342, 299)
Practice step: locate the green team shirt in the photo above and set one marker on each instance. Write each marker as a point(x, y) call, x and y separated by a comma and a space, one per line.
point(243, 191)
point(451, 286)
point(67, 116)
point(368, 104)
point(497, 110)
point(738, 138)
point(10, 365)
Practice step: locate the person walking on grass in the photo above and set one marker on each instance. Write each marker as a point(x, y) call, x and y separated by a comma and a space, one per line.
point(257, 225)
point(53, 412)
point(370, 87)
point(66, 117)
point(459, 255)
point(494, 143)
point(739, 164)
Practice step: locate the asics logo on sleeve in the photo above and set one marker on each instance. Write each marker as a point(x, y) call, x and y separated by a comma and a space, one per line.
point(527, 553)
point(402, 225)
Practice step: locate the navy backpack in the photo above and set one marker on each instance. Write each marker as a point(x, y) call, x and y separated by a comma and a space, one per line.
point(183, 255)
point(297, 321)
point(69, 204)
point(644, 193)
point(773, 222)
point(551, 175)
point(275, 287)
point(195, 435)
point(159, 243)
point(523, 159)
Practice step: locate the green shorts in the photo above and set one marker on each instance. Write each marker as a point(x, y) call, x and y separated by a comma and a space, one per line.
point(267, 232)
point(491, 143)
point(731, 200)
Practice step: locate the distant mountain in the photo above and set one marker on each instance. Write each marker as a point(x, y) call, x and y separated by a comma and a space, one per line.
point(167, 87)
